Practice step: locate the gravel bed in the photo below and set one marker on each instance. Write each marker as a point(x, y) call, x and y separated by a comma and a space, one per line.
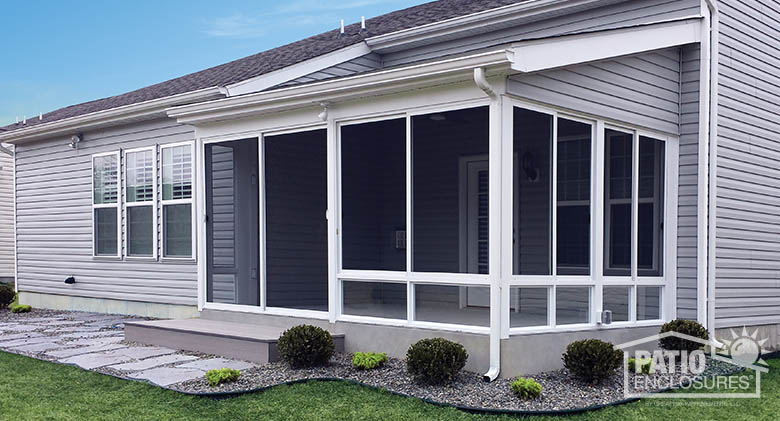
point(561, 391)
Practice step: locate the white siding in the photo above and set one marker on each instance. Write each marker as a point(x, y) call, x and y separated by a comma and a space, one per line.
point(6, 215)
point(54, 228)
point(748, 201)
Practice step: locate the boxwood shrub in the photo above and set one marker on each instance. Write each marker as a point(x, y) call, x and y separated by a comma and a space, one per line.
point(592, 360)
point(435, 360)
point(306, 346)
point(526, 388)
point(369, 360)
point(7, 295)
point(686, 327)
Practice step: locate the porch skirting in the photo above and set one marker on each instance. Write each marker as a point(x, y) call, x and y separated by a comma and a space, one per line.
point(108, 306)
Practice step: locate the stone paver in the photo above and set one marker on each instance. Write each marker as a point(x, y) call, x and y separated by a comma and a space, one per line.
point(23, 328)
point(139, 353)
point(153, 362)
point(13, 336)
point(61, 323)
point(84, 350)
point(96, 341)
point(92, 334)
point(216, 363)
point(41, 319)
point(26, 341)
point(39, 347)
point(166, 376)
point(95, 360)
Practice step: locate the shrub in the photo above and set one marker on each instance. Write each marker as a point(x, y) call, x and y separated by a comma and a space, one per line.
point(526, 388)
point(222, 375)
point(7, 295)
point(306, 346)
point(642, 365)
point(686, 327)
point(24, 308)
point(369, 360)
point(435, 360)
point(592, 360)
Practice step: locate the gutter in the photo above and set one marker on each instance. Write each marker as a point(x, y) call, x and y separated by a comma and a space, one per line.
point(141, 110)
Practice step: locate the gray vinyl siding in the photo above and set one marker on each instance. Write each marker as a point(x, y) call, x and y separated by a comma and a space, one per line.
point(687, 200)
point(6, 215)
point(367, 63)
point(622, 14)
point(54, 222)
point(748, 185)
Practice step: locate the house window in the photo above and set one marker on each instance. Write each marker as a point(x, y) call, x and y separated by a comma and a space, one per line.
point(140, 202)
point(105, 204)
point(177, 175)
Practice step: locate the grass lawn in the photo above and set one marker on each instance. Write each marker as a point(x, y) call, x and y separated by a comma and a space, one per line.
point(37, 390)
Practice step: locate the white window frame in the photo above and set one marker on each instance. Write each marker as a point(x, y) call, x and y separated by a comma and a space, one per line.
point(118, 205)
point(190, 201)
point(153, 203)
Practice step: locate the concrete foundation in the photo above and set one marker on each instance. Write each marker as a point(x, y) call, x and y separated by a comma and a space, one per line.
point(102, 305)
point(770, 332)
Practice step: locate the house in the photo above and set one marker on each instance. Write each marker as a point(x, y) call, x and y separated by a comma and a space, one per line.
point(7, 256)
point(513, 175)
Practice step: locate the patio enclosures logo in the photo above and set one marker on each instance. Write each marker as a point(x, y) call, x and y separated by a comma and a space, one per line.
point(729, 369)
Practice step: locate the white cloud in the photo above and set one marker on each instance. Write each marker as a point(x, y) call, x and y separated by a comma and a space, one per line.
point(235, 26)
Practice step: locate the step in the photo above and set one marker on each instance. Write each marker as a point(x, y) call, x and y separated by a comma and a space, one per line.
point(248, 342)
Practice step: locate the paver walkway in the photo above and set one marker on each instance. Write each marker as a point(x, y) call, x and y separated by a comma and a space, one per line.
point(95, 342)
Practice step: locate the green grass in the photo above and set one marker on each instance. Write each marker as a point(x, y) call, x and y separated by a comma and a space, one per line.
point(37, 390)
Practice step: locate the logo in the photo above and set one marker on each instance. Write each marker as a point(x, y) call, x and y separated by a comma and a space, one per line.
point(699, 368)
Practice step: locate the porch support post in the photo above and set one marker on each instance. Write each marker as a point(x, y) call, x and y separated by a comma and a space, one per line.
point(332, 215)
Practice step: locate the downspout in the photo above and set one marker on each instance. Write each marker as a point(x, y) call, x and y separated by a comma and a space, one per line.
point(495, 287)
point(713, 167)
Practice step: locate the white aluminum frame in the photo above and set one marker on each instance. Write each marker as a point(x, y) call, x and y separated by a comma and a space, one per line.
point(153, 203)
point(118, 205)
point(191, 201)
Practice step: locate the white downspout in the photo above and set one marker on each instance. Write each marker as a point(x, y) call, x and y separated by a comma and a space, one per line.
point(713, 166)
point(495, 215)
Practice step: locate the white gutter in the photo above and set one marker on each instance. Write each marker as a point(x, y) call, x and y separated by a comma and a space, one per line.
point(141, 110)
point(713, 166)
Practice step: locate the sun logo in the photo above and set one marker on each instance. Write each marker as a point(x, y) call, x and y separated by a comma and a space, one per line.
point(746, 348)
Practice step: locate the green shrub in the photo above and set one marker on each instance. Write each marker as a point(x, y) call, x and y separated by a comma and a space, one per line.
point(306, 346)
point(7, 295)
point(526, 388)
point(435, 360)
point(24, 308)
point(369, 360)
point(222, 375)
point(642, 365)
point(686, 327)
point(592, 360)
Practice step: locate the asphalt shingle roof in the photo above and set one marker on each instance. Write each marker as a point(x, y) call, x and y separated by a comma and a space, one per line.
point(278, 58)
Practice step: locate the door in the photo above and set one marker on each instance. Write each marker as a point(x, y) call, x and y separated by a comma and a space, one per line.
point(476, 229)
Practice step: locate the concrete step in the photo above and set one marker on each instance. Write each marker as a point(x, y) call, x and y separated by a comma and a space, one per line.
point(248, 342)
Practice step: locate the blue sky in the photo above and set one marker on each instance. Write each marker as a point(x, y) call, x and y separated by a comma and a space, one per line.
point(59, 53)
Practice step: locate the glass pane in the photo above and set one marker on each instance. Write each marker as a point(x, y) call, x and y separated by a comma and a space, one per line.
point(449, 158)
point(140, 226)
point(104, 178)
point(648, 303)
point(105, 232)
point(177, 223)
point(573, 231)
point(296, 198)
point(651, 207)
point(452, 304)
point(232, 243)
point(528, 306)
point(616, 299)
point(533, 137)
point(617, 202)
point(572, 305)
point(375, 299)
point(177, 172)
point(140, 176)
point(373, 198)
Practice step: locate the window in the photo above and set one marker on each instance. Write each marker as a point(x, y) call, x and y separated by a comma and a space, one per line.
point(177, 175)
point(140, 202)
point(105, 205)
point(617, 299)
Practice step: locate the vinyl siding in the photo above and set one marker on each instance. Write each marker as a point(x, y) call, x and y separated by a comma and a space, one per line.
point(54, 222)
point(6, 215)
point(748, 185)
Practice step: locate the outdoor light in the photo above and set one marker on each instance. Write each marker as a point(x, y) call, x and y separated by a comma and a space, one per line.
point(74, 141)
point(70, 280)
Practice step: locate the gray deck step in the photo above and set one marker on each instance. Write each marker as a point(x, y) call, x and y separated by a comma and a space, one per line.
point(248, 342)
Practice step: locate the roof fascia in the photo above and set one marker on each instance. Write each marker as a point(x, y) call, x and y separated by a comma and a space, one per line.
point(567, 50)
point(269, 80)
